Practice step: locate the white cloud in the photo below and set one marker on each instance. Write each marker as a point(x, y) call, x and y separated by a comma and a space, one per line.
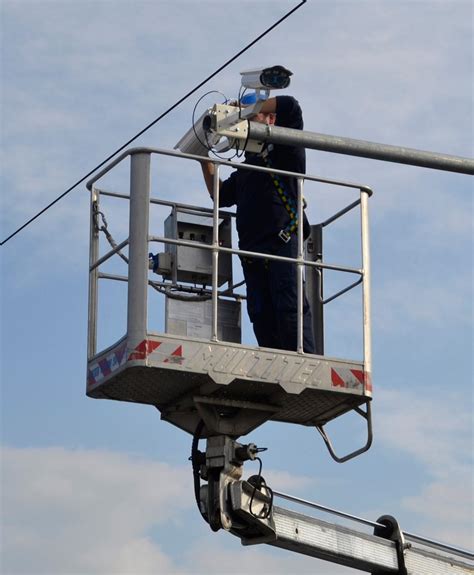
point(434, 429)
point(87, 511)
point(445, 507)
point(433, 426)
point(96, 512)
point(92, 512)
point(216, 559)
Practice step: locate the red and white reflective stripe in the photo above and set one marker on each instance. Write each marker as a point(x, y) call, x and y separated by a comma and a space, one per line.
point(106, 365)
point(143, 349)
point(176, 355)
point(163, 351)
point(350, 378)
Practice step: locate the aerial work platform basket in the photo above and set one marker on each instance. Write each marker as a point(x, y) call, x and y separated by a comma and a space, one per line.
point(204, 373)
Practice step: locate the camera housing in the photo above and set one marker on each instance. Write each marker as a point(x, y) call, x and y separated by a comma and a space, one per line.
point(271, 78)
point(225, 126)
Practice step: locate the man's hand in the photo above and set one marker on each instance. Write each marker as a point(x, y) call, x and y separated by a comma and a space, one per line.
point(208, 171)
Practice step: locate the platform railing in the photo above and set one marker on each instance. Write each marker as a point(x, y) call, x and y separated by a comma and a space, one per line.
point(139, 238)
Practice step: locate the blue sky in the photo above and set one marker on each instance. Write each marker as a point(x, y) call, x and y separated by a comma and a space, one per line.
point(99, 487)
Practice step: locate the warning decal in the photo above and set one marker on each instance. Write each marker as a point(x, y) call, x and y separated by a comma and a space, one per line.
point(166, 352)
point(107, 364)
point(350, 378)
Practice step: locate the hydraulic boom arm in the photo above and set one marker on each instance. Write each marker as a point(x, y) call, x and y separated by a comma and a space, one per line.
point(246, 509)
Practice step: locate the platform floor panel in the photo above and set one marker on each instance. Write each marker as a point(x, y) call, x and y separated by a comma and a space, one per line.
point(181, 375)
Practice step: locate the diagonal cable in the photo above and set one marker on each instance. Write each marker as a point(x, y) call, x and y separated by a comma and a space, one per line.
point(180, 101)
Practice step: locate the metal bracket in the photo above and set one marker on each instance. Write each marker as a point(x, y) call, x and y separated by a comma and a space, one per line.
point(232, 417)
point(224, 466)
point(230, 122)
point(226, 502)
point(224, 460)
point(367, 415)
point(252, 508)
point(390, 529)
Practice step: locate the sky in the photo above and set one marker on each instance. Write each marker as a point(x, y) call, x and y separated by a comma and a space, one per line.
point(100, 487)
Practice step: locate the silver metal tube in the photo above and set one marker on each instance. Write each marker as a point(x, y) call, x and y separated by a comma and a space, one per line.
point(299, 268)
point(418, 538)
point(366, 292)
point(340, 213)
point(93, 277)
point(342, 291)
point(199, 245)
point(215, 252)
point(138, 248)
point(233, 165)
point(314, 286)
point(326, 509)
point(116, 277)
point(438, 545)
point(108, 255)
point(361, 148)
point(177, 287)
point(112, 164)
point(183, 208)
point(174, 268)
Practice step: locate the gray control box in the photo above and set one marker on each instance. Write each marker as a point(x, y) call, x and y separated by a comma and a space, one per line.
point(194, 265)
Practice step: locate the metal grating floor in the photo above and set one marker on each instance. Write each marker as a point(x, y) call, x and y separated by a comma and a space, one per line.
point(173, 392)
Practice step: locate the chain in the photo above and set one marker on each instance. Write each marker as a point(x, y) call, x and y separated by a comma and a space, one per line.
point(103, 227)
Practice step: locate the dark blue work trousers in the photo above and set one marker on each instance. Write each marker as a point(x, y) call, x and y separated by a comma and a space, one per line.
point(272, 301)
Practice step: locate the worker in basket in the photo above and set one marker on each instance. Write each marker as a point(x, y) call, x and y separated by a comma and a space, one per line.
point(267, 222)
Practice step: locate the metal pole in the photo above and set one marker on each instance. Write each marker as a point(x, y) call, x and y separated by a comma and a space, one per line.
point(314, 286)
point(361, 148)
point(299, 268)
point(174, 250)
point(215, 251)
point(138, 248)
point(93, 276)
point(366, 294)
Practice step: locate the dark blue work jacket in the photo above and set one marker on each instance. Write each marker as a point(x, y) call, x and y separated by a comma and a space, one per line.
point(261, 213)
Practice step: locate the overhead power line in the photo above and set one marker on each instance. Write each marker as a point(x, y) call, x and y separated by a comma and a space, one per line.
point(180, 101)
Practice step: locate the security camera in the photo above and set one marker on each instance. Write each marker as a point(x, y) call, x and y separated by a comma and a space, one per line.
point(272, 78)
point(198, 140)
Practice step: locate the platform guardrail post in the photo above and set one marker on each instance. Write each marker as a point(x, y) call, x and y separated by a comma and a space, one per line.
point(93, 276)
point(314, 285)
point(138, 248)
point(366, 293)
